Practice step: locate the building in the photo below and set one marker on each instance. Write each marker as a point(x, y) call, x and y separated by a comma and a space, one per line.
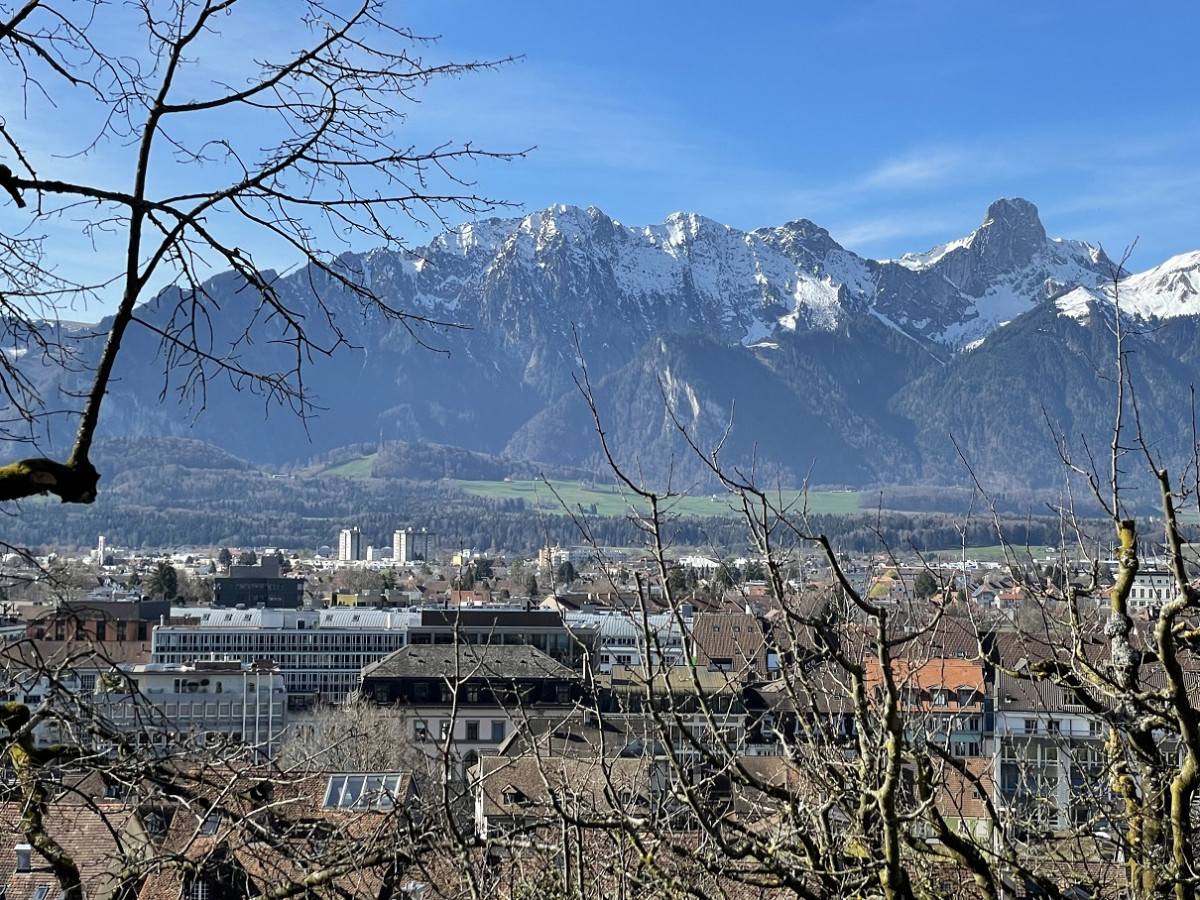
point(470, 698)
point(178, 708)
point(263, 586)
point(350, 545)
point(322, 653)
point(734, 642)
point(206, 840)
point(1152, 587)
point(619, 637)
point(108, 613)
point(408, 546)
point(544, 629)
point(93, 826)
point(943, 700)
point(62, 676)
point(524, 796)
point(697, 707)
point(1050, 758)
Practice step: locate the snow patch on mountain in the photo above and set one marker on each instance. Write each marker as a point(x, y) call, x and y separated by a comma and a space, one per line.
point(1078, 304)
point(918, 262)
point(1164, 292)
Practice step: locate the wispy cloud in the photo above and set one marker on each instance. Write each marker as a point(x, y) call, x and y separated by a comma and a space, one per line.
point(917, 169)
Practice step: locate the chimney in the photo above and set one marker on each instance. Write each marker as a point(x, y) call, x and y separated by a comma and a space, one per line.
point(24, 857)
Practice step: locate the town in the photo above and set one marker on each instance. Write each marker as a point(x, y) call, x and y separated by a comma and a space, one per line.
point(684, 699)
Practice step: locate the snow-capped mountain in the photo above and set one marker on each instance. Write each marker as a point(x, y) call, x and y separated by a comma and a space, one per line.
point(1168, 291)
point(693, 274)
point(822, 360)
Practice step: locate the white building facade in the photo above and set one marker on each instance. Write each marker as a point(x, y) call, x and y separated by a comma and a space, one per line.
point(174, 708)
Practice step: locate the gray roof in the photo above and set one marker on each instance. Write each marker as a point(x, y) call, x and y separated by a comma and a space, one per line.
point(463, 661)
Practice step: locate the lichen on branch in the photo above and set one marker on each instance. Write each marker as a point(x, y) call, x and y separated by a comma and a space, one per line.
point(72, 482)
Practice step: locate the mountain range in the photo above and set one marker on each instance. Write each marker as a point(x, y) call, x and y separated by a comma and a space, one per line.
point(983, 356)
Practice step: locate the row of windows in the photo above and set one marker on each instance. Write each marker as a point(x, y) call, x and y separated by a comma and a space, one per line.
point(195, 711)
point(437, 691)
point(422, 730)
point(1055, 727)
point(621, 659)
point(961, 697)
point(290, 661)
point(275, 641)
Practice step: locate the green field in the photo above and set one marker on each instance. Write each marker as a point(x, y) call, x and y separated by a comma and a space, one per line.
point(355, 468)
point(559, 497)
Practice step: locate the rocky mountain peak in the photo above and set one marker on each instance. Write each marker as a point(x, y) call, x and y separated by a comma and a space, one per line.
point(800, 240)
point(1011, 234)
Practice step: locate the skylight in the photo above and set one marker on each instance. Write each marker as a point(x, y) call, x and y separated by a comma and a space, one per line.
point(362, 791)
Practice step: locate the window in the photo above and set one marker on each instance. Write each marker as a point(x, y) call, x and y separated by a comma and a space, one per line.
point(443, 730)
point(1053, 726)
point(497, 732)
point(1031, 726)
point(1070, 700)
point(156, 824)
point(210, 824)
point(472, 731)
point(42, 892)
point(420, 731)
point(363, 790)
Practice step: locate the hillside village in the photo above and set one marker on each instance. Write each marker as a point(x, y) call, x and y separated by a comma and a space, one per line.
point(512, 699)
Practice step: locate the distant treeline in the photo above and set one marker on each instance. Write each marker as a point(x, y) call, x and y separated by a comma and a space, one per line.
point(164, 493)
point(212, 509)
point(962, 500)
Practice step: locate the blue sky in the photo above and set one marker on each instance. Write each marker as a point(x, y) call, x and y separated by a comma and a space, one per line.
point(891, 124)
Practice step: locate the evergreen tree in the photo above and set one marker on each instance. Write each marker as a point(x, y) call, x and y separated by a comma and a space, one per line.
point(164, 581)
point(924, 586)
point(565, 573)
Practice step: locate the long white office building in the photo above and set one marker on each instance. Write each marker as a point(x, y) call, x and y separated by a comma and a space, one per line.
point(321, 653)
